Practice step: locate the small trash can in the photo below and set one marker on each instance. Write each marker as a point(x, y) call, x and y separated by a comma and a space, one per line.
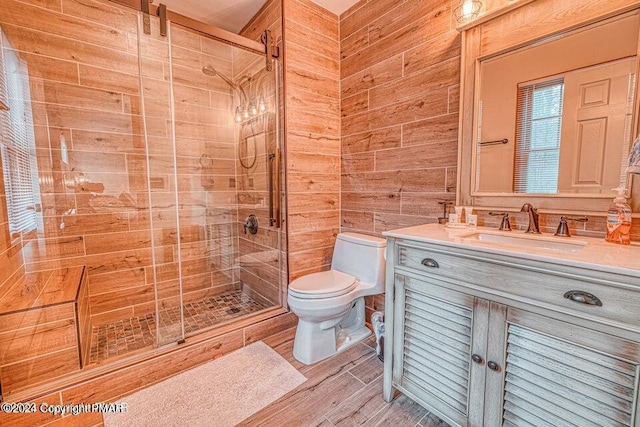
point(377, 322)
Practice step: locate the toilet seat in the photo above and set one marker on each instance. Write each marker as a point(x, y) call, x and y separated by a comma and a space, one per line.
point(326, 284)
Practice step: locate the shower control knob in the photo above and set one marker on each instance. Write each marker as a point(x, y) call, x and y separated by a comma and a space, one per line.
point(251, 224)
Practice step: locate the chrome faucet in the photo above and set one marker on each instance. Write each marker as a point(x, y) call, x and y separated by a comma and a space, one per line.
point(533, 218)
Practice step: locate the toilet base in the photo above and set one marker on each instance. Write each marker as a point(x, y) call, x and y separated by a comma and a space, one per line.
point(315, 341)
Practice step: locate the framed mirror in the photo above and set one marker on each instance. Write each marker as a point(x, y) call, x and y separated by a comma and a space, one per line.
point(550, 120)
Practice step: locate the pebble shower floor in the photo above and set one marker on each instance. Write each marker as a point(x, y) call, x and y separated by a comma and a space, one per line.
point(127, 335)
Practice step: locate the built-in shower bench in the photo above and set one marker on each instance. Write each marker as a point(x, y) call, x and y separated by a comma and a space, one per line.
point(45, 328)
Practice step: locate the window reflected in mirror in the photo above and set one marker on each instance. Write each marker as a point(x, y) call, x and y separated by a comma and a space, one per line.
point(539, 115)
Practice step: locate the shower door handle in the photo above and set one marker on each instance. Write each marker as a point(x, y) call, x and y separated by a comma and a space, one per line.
point(273, 183)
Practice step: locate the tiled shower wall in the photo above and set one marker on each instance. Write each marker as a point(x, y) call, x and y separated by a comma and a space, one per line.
point(311, 75)
point(313, 134)
point(400, 72)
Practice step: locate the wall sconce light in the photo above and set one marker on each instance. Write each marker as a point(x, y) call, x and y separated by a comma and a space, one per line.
point(467, 9)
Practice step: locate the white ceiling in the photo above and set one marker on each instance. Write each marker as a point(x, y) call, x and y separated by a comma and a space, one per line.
point(233, 15)
point(336, 6)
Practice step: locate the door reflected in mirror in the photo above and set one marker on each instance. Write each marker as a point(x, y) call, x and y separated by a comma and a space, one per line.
point(556, 117)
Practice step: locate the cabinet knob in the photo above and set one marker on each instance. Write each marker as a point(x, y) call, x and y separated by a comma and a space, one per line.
point(430, 262)
point(477, 358)
point(493, 366)
point(583, 297)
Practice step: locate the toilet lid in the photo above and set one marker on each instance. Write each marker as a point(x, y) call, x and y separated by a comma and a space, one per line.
point(325, 284)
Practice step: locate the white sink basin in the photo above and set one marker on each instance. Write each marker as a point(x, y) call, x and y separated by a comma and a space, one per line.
point(564, 244)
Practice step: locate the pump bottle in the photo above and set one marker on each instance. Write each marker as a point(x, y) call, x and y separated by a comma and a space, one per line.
point(619, 220)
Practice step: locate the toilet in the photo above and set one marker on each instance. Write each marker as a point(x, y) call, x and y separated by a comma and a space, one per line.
point(330, 304)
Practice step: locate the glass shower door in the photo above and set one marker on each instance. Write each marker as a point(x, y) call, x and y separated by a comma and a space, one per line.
point(223, 103)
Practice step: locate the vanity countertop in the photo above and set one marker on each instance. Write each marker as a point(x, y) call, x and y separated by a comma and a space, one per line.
point(595, 254)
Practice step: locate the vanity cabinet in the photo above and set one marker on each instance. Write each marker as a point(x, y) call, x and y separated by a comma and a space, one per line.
point(488, 340)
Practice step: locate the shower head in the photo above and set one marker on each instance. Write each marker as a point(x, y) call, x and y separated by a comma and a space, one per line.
point(209, 71)
point(212, 72)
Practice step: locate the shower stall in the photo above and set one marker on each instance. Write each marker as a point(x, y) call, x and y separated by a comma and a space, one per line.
point(141, 198)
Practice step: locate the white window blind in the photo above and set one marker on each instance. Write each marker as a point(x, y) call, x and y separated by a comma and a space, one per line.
point(17, 143)
point(539, 122)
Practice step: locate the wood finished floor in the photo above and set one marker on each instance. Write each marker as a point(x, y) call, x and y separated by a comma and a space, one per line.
point(344, 390)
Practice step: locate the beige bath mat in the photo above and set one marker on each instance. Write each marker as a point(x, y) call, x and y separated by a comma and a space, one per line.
point(219, 393)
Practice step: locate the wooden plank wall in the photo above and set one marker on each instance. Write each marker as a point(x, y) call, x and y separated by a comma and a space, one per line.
point(312, 81)
point(400, 72)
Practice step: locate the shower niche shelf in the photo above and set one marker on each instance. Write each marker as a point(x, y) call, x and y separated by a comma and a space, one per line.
point(45, 327)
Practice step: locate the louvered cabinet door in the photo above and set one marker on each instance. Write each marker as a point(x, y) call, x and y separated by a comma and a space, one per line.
point(558, 374)
point(433, 345)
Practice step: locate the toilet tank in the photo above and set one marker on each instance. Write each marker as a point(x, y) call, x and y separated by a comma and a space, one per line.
point(361, 256)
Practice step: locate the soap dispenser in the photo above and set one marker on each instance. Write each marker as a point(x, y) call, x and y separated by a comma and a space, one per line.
point(619, 219)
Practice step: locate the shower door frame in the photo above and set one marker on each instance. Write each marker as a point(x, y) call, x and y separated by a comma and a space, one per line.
point(209, 30)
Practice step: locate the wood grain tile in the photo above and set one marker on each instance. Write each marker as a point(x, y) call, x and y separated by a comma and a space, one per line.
point(438, 49)
point(27, 40)
point(372, 201)
point(312, 221)
point(329, 67)
point(302, 142)
point(378, 139)
point(32, 419)
point(357, 221)
point(355, 42)
point(311, 15)
point(269, 327)
point(313, 239)
point(301, 77)
point(418, 31)
point(418, 156)
point(401, 411)
point(385, 71)
point(426, 180)
point(424, 204)
point(358, 408)
point(40, 369)
point(354, 104)
point(438, 76)
point(366, 14)
point(369, 370)
point(361, 162)
point(442, 128)
point(320, 43)
point(29, 17)
point(399, 16)
point(313, 163)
